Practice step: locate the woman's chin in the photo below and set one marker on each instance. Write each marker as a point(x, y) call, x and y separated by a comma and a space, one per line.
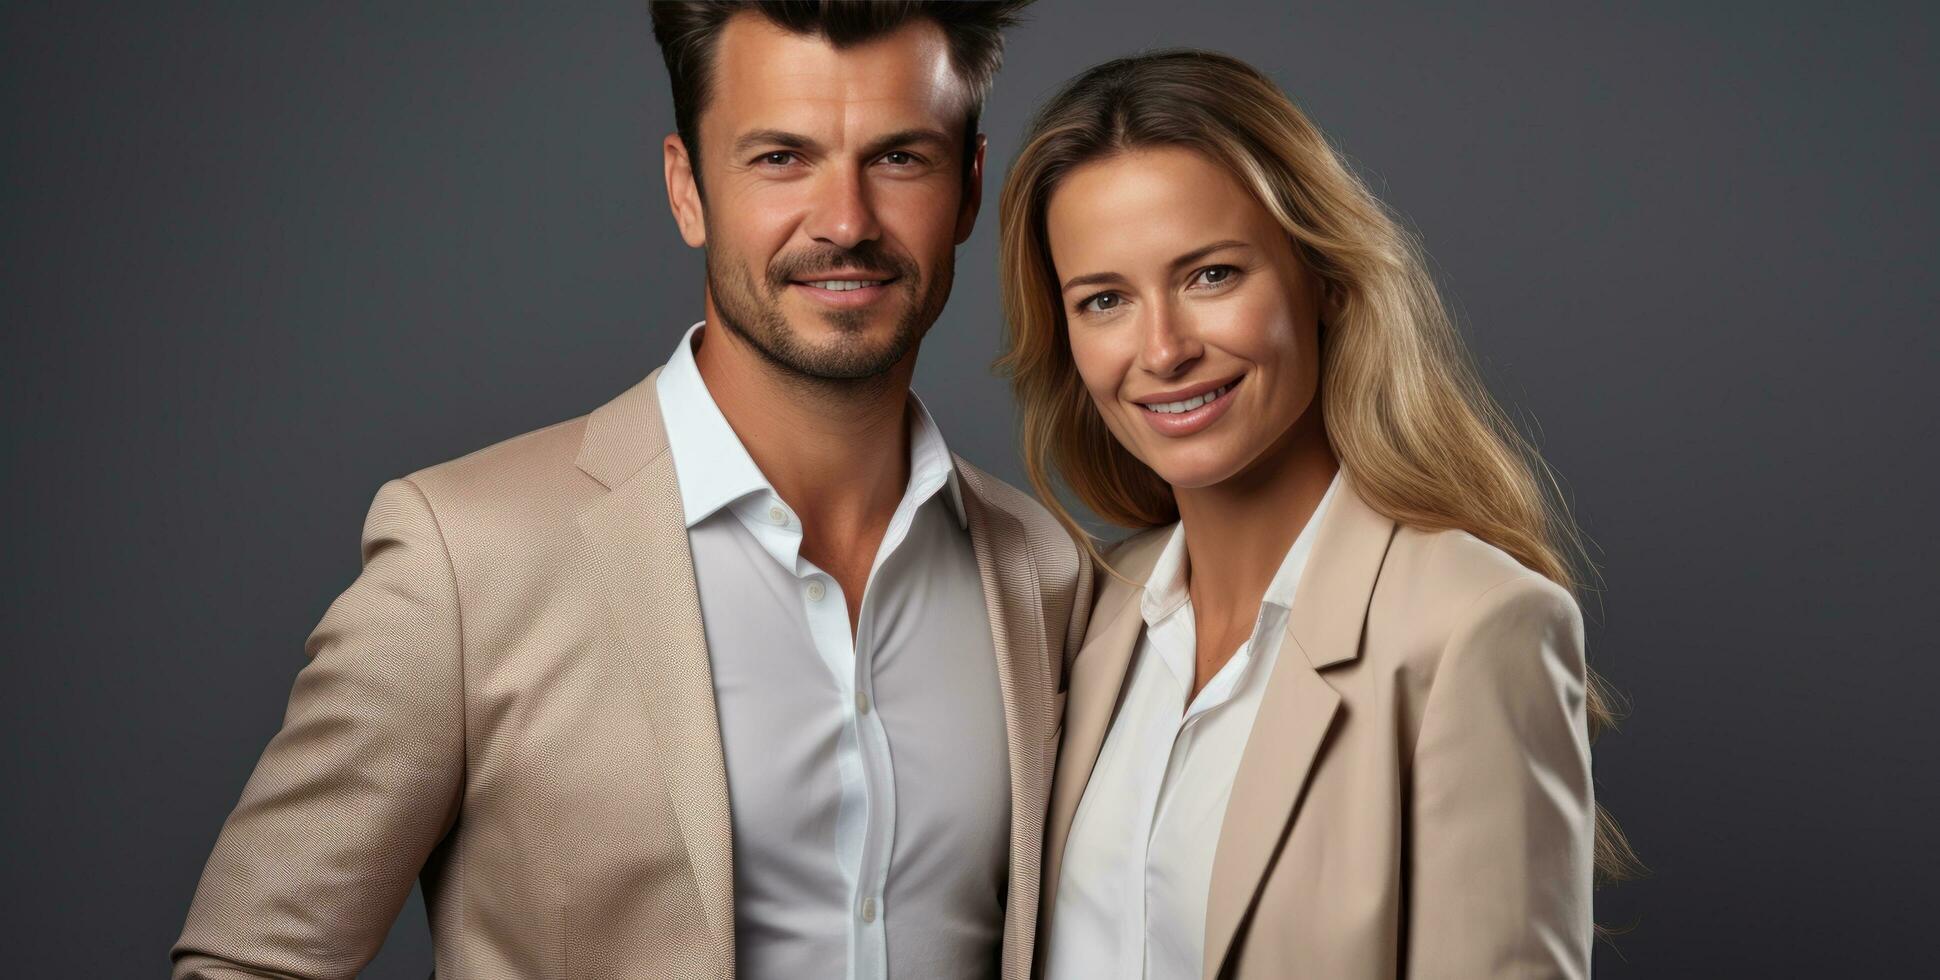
point(1196, 474)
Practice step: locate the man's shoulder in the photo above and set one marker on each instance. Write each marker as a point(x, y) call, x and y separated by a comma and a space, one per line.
point(1045, 540)
point(1038, 523)
point(529, 477)
point(1063, 568)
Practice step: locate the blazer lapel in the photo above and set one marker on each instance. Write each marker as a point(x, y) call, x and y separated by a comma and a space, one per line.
point(1296, 711)
point(1097, 678)
point(638, 538)
point(1012, 599)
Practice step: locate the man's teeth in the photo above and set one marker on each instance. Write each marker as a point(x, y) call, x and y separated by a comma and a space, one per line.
point(1174, 408)
point(844, 285)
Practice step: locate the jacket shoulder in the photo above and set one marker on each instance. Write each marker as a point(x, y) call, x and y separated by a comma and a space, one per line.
point(539, 460)
point(1140, 547)
point(1435, 584)
point(1009, 499)
point(1063, 567)
point(496, 498)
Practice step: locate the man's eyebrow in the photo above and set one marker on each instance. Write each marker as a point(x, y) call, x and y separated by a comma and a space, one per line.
point(907, 137)
point(772, 138)
point(1097, 278)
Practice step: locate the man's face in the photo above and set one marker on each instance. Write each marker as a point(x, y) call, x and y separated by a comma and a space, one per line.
point(834, 194)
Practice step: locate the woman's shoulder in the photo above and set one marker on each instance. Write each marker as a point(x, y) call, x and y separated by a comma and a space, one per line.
point(1139, 546)
point(1128, 561)
point(1438, 583)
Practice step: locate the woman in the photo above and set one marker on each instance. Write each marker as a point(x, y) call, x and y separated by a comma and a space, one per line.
point(1332, 716)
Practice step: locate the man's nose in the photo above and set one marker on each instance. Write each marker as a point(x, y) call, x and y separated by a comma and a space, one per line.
point(842, 214)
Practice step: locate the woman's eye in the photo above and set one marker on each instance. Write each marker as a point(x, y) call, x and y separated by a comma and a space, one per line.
point(1217, 275)
point(1101, 303)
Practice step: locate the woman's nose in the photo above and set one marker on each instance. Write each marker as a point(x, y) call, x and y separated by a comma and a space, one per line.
point(1170, 346)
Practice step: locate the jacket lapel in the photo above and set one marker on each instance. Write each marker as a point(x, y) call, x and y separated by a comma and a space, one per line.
point(1013, 601)
point(1296, 710)
point(638, 538)
point(1097, 678)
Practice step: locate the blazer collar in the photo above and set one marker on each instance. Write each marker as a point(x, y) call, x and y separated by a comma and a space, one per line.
point(623, 434)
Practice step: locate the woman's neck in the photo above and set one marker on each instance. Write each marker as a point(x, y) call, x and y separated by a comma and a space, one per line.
point(1238, 531)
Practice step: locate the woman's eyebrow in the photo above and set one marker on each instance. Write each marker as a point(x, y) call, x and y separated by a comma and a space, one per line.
point(1205, 250)
point(1098, 278)
point(1091, 279)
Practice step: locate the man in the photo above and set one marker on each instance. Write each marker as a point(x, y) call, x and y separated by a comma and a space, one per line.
point(744, 670)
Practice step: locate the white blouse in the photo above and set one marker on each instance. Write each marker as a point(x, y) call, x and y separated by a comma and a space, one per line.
point(1131, 899)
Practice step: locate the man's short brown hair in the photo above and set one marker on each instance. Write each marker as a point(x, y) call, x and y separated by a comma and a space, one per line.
point(689, 29)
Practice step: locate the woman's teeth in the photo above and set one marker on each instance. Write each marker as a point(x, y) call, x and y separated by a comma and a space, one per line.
point(843, 285)
point(1174, 408)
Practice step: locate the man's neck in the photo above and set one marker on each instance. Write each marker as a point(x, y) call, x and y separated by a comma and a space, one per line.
point(837, 454)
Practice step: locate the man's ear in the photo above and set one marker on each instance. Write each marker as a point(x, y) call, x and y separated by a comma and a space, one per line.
point(972, 193)
point(684, 192)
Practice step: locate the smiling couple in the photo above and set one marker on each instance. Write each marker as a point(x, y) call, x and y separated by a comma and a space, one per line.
point(745, 673)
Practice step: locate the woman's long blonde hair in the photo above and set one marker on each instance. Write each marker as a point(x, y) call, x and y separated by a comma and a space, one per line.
point(1405, 411)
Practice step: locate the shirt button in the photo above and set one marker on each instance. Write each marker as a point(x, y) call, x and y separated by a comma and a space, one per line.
point(777, 515)
point(861, 702)
point(816, 592)
point(868, 910)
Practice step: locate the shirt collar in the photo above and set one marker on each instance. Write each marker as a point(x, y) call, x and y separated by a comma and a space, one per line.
point(714, 469)
point(1165, 588)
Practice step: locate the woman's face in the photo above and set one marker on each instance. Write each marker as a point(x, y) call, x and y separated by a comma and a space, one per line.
point(1193, 323)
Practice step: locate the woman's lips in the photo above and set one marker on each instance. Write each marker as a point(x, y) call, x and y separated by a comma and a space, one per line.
point(1177, 424)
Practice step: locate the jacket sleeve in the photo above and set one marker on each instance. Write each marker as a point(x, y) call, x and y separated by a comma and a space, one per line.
point(360, 783)
point(1503, 817)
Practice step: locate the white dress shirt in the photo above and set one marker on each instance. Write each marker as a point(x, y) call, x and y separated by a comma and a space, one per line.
point(1131, 898)
point(867, 775)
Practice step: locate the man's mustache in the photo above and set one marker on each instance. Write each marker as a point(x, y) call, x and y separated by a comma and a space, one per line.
point(866, 258)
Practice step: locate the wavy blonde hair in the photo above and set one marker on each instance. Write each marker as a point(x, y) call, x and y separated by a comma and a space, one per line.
point(1405, 411)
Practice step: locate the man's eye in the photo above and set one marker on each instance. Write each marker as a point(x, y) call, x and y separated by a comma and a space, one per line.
point(779, 158)
point(899, 158)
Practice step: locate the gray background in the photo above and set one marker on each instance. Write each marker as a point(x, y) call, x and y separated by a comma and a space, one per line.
point(255, 259)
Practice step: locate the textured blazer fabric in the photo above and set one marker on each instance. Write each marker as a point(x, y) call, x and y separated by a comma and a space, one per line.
point(1414, 798)
point(513, 704)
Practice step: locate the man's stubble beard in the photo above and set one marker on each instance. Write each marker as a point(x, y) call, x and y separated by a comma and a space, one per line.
point(750, 308)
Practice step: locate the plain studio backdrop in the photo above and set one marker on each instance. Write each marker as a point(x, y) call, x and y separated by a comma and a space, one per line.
point(256, 259)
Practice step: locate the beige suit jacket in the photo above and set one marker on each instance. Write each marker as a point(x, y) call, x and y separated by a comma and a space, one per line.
point(1414, 798)
point(513, 703)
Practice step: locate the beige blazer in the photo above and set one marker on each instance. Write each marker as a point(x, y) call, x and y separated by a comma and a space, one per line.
point(1414, 799)
point(513, 704)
